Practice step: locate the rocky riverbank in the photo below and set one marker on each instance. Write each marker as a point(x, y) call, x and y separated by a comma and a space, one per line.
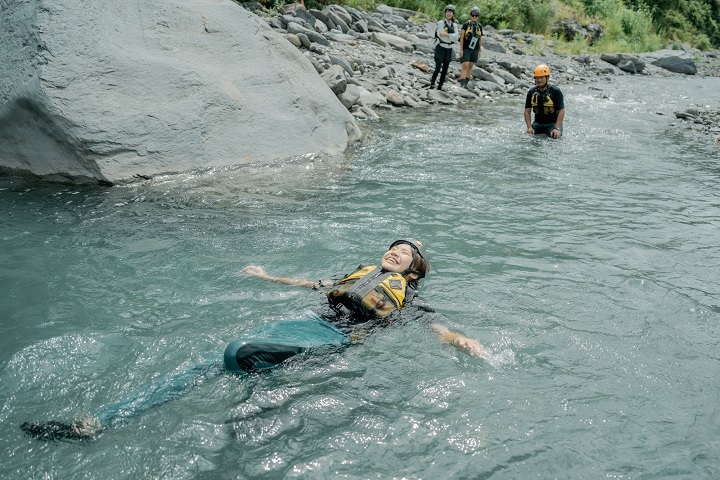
point(384, 59)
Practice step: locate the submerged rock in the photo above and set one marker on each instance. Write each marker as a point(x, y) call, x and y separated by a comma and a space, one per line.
point(104, 92)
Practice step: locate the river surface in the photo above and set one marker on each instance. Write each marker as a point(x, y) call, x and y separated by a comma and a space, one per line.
point(588, 266)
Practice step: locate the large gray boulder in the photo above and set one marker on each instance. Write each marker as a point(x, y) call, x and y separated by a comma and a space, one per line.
point(626, 62)
point(393, 41)
point(677, 61)
point(483, 74)
point(94, 91)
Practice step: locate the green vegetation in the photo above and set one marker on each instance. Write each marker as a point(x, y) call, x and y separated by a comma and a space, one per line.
point(627, 25)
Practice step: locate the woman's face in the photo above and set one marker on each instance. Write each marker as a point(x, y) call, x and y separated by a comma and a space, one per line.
point(398, 258)
point(449, 14)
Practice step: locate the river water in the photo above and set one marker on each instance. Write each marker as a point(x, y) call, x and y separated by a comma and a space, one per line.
point(588, 266)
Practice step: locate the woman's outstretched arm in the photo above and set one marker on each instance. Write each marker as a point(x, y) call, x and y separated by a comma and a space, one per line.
point(461, 342)
point(260, 272)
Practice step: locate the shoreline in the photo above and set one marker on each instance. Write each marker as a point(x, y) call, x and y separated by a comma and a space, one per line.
point(383, 61)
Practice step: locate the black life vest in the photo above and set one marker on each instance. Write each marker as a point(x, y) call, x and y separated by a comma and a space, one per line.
point(472, 31)
point(449, 28)
point(542, 100)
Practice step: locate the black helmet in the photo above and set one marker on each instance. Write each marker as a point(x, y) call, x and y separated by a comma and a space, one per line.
point(475, 11)
point(419, 249)
point(450, 7)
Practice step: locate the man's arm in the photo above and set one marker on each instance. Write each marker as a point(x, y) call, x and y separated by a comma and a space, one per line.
point(556, 133)
point(528, 121)
point(461, 342)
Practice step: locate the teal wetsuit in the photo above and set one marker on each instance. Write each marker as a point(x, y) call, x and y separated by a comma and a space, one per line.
point(324, 330)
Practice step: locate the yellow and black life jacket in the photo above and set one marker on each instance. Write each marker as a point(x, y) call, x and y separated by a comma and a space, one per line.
point(370, 291)
point(473, 30)
point(542, 100)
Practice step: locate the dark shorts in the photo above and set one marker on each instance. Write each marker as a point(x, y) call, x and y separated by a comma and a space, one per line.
point(470, 55)
point(442, 54)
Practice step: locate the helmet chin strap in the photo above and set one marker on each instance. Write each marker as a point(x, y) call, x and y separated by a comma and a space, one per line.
point(409, 270)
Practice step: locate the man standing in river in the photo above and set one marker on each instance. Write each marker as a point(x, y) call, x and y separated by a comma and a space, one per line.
point(547, 102)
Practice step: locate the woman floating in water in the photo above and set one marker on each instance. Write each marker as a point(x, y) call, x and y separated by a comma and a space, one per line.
point(369, 298)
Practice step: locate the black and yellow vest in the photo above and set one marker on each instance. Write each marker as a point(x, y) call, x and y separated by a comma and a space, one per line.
point(541, 102)
point(472, 31)
point(370, 291)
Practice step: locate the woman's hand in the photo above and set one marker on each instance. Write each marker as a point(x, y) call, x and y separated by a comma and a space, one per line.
point(471, 347)
point(255, 270)
point(461, 342)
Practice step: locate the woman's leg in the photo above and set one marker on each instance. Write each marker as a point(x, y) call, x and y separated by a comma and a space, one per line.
point(466, 70)
point(443, 74)
point(438, 66)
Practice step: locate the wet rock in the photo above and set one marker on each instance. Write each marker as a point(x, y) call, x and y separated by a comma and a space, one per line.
point(394, 98)
point(439, 96)
point(371, 99)
point(350, 96)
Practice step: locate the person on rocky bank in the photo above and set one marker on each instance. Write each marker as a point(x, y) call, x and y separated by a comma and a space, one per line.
point(446, 34)
point(547, 102)
point(470, 45)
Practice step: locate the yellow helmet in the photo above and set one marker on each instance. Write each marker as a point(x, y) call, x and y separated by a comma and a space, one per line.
point(542, 71)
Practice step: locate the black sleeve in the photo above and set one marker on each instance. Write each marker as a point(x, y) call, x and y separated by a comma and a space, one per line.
point(419, 311)
point(559, 101)
point(528, 99)
point(324, 285)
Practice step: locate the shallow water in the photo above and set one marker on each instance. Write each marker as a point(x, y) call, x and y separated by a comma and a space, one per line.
point(588, 266)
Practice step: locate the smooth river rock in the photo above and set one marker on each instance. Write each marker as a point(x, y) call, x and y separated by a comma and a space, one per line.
point(106, 92)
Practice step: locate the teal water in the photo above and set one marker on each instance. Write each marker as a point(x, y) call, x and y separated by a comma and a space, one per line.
point(588, 266)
